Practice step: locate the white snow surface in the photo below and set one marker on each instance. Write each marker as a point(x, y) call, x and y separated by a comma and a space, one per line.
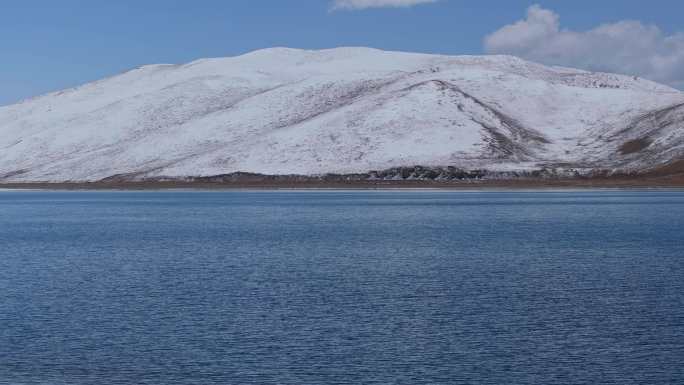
point(344, 110)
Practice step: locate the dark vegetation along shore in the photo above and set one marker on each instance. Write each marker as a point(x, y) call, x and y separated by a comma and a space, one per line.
point(671, 175)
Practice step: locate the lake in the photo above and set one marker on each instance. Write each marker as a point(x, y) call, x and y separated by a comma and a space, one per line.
point(342, 287)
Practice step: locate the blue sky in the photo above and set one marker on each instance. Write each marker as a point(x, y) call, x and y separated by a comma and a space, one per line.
point(49, 45)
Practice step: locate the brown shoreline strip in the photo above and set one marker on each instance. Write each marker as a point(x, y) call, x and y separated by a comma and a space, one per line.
point(667, 176)
point(646, 182)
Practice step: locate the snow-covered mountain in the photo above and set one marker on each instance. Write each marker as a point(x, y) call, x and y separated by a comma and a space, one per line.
point(287, 111)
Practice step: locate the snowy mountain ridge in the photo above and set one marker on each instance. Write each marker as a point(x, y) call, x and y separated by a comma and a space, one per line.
point(346, 110)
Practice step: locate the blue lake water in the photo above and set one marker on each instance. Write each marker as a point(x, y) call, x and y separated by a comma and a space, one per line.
point(368, 287)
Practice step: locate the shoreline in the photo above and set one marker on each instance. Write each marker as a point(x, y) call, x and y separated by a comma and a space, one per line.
point(417, 177)
point(588, 183)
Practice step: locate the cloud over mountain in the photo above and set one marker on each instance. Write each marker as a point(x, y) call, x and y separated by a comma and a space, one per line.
point(628, 46)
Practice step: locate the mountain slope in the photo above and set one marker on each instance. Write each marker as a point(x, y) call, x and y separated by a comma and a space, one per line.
point(286, 111)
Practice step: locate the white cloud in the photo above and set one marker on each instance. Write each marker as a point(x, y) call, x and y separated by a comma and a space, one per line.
point(364, 4)
point(628, 47)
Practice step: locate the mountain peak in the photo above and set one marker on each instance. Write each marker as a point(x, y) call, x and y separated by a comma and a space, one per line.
point(347, 109)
